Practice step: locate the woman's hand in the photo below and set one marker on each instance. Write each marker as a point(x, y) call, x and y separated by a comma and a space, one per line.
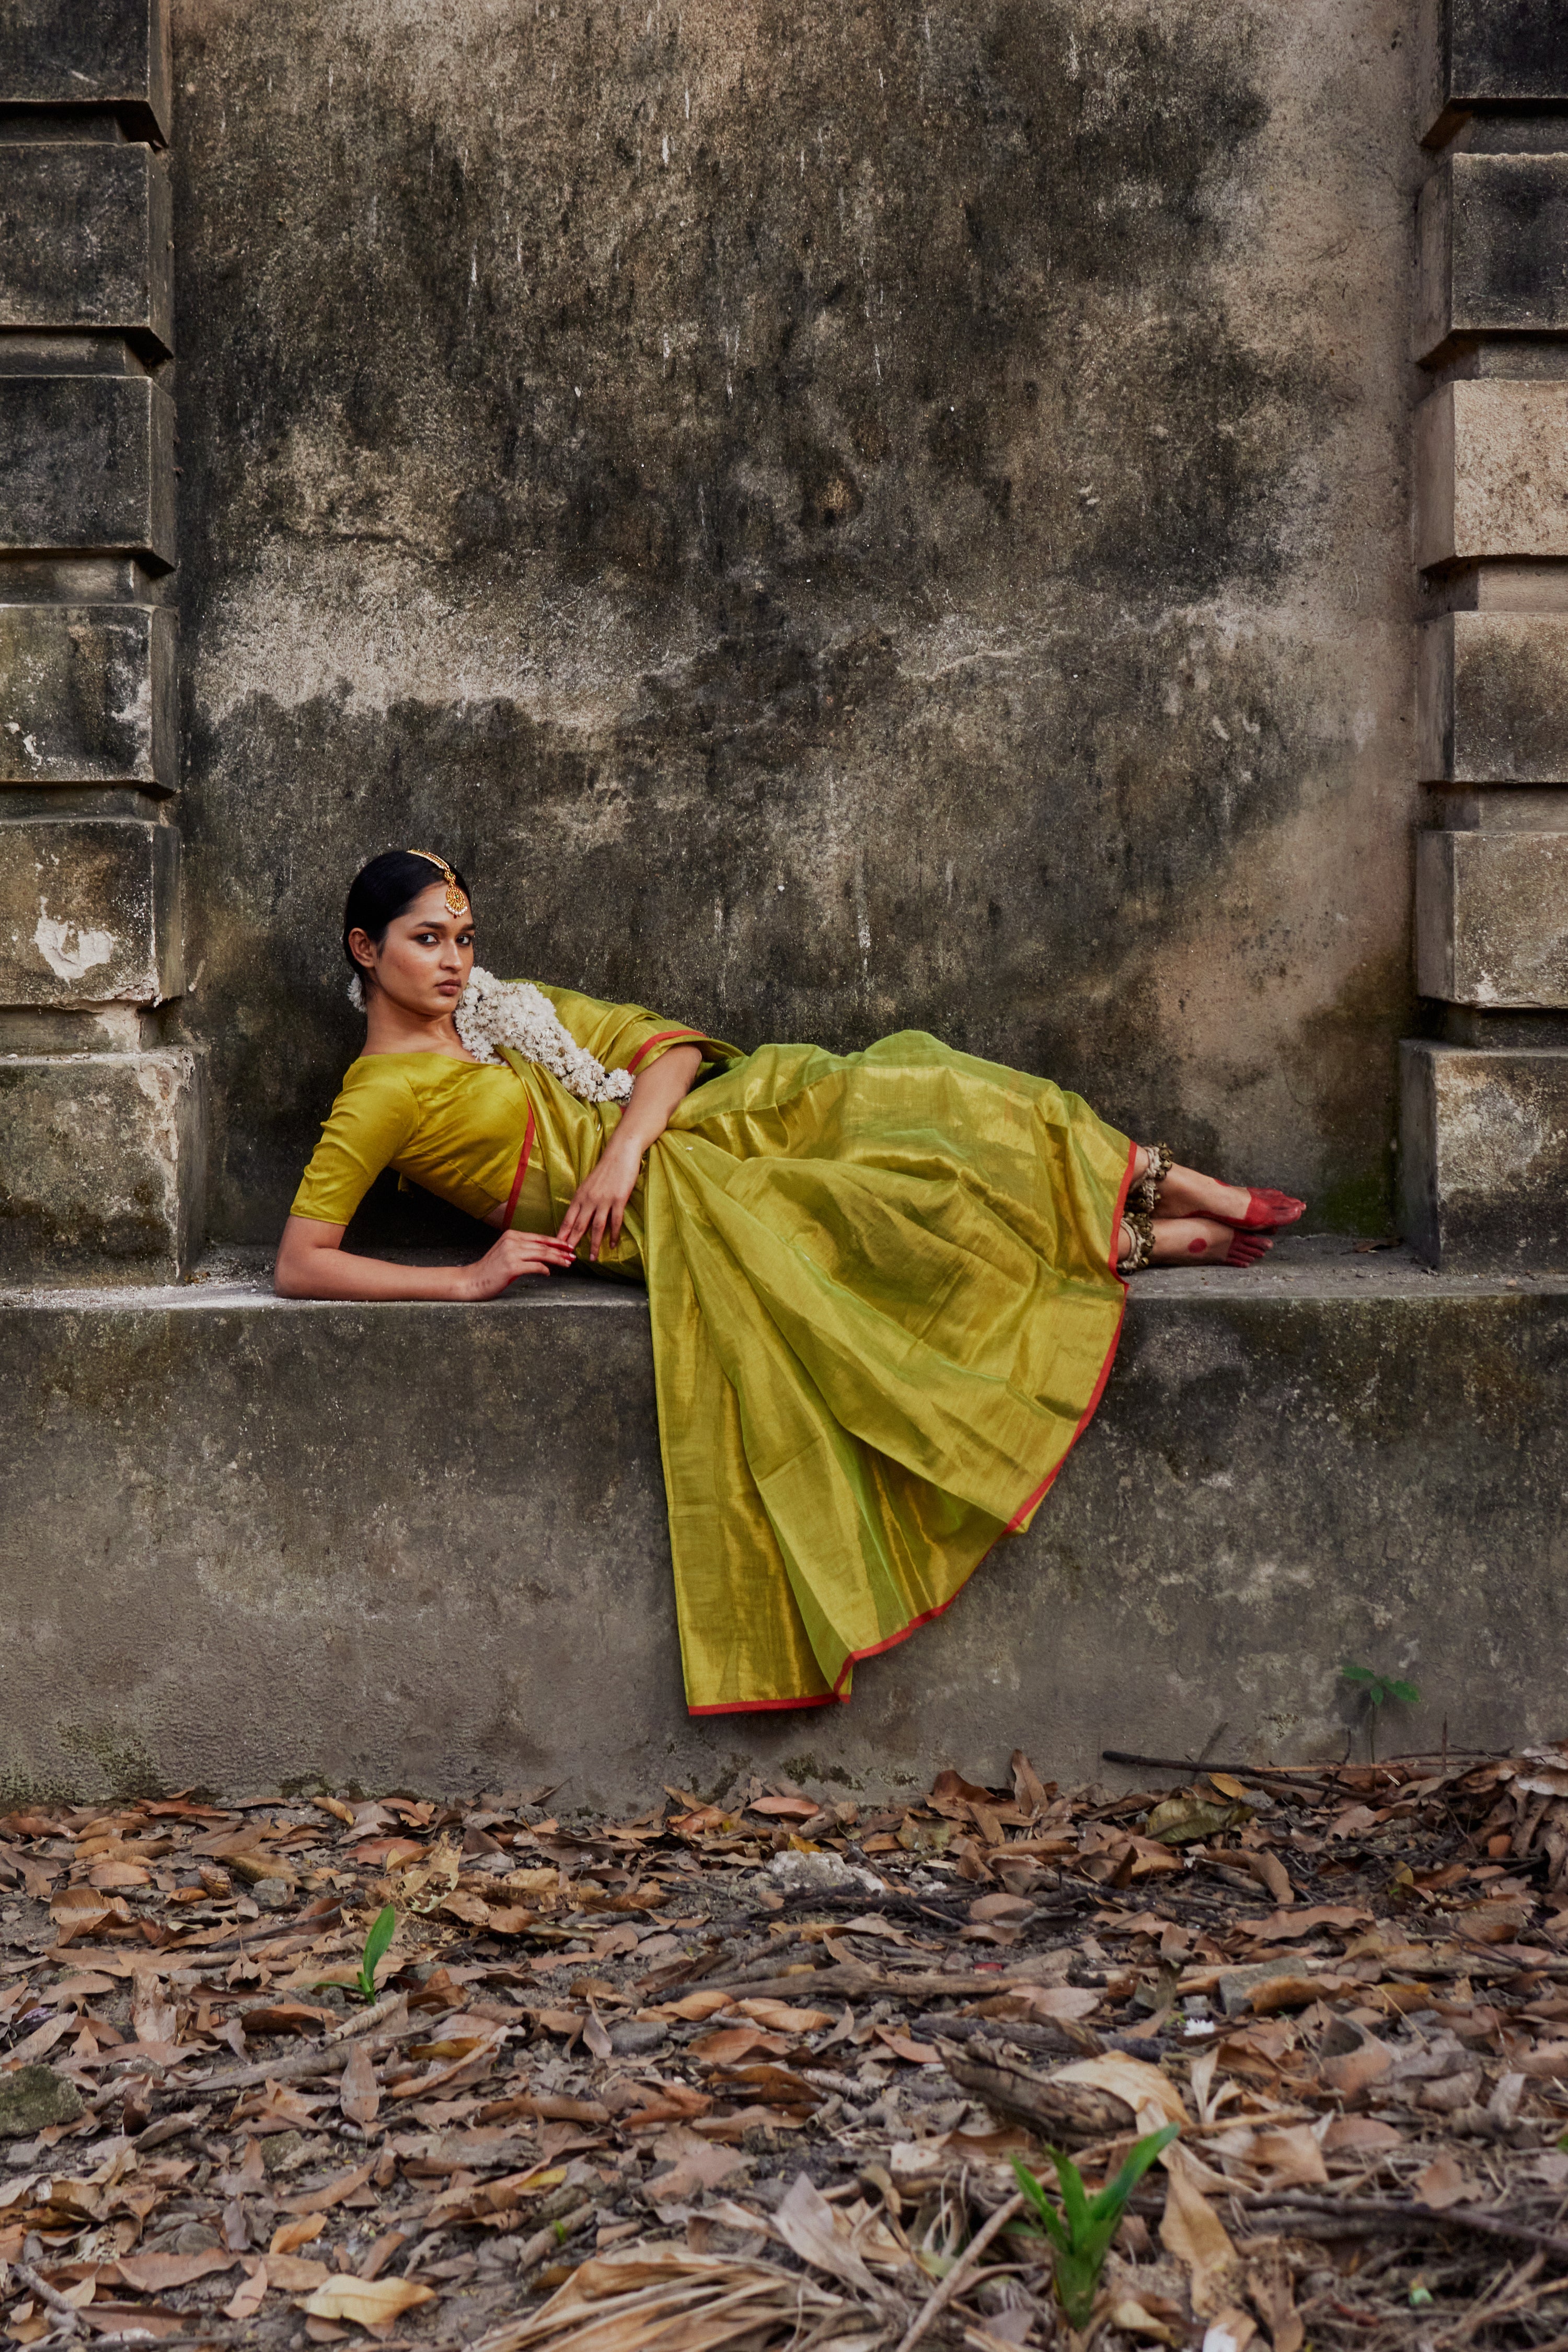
point(313, 1264)
point(513, 1255)
point(599, 1203)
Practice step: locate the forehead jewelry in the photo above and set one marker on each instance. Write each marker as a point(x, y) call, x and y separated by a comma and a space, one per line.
point(456, 902)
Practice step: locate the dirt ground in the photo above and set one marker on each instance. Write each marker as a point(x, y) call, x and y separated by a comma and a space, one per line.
point(752, 2073)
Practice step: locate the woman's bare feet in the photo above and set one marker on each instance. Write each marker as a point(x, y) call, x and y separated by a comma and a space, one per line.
point(1197, 1240)
point(1186, 1193)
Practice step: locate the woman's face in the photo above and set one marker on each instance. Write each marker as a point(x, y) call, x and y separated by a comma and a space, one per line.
point(423, 963)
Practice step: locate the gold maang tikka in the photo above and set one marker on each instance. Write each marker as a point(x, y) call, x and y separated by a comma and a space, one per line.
point(456, 902)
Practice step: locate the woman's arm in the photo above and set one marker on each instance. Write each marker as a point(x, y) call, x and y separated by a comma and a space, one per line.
point(600, 1200)
point(312, 1263)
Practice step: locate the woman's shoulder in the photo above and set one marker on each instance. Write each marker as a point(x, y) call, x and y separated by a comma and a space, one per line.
point(399, 1072)
point(376, 1079)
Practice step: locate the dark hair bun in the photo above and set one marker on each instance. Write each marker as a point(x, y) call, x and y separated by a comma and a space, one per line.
point(384, 889)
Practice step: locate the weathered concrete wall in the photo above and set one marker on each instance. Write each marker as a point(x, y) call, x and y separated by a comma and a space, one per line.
point(239, 1545)
point(836, 518)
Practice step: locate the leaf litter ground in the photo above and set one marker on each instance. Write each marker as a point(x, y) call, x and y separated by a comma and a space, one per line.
point(751, 2073)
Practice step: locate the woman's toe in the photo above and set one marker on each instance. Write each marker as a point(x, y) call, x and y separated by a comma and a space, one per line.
point(1267, 1209)
point(1246, 1249)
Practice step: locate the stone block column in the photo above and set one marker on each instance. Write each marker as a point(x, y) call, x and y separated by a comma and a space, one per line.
point(102, 1169)
point(1484, 1124)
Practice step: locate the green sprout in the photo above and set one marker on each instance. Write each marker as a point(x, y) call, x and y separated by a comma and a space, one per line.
point(1379, 1689)
point(1081, 2233)
point(383, 1928)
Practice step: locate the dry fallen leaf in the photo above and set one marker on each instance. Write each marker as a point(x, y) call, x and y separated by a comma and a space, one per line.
point(696, 2164)
point(696, 2006)
point(1062, 2003)
point(359, 2095)
point(251, 2293)
point(1548, 2060)
point(1131, 2317)
point(1229, 2331)
point(676, 2298)
point(1444, 2184)
point(728, 2044)
point(1269, 2289)
point(1179, 1820)
point(807, 2223)
point(156, 2273)
point(1291, 2158)
point(77, 1910)
point(371, 2303)
point(1143, 2087)
point(782, 2018)
point(914, 2053)
point(1359, 2135)
point(1350, 2074)
point(1194, 2233)
point(290, 2236)
point(1272, 1873)
point(1284, 1926)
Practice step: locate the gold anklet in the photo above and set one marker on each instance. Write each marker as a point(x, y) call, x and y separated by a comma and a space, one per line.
point(1141, 1228)
point(1161, 1159)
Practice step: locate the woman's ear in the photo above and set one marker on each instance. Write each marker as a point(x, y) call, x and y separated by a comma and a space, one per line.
point(362, 950)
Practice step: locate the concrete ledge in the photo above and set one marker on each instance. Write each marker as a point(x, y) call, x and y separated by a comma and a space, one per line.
point(246, 1541)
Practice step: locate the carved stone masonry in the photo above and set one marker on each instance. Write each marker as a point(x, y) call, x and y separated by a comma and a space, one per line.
point(1484, 1114)
point(102, 1173)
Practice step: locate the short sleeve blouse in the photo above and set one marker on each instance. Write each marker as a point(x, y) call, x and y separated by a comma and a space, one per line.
point(458, 1127)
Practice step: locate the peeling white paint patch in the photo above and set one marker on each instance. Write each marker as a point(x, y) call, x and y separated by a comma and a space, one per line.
point(68, 949)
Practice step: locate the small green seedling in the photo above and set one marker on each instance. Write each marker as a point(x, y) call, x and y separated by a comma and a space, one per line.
point(1081, 2233)
point(1379, 1689)
point(383, 1928)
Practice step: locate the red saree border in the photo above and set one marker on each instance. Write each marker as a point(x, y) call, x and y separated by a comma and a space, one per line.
point(523, 1158)
point(778, 1706)
point(668, 1037)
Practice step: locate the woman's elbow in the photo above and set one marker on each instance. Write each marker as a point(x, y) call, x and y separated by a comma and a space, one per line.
point(294, 1268)
point(286, 1273)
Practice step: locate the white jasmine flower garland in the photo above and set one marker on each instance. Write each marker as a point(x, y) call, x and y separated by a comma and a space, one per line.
point(514, 1013)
